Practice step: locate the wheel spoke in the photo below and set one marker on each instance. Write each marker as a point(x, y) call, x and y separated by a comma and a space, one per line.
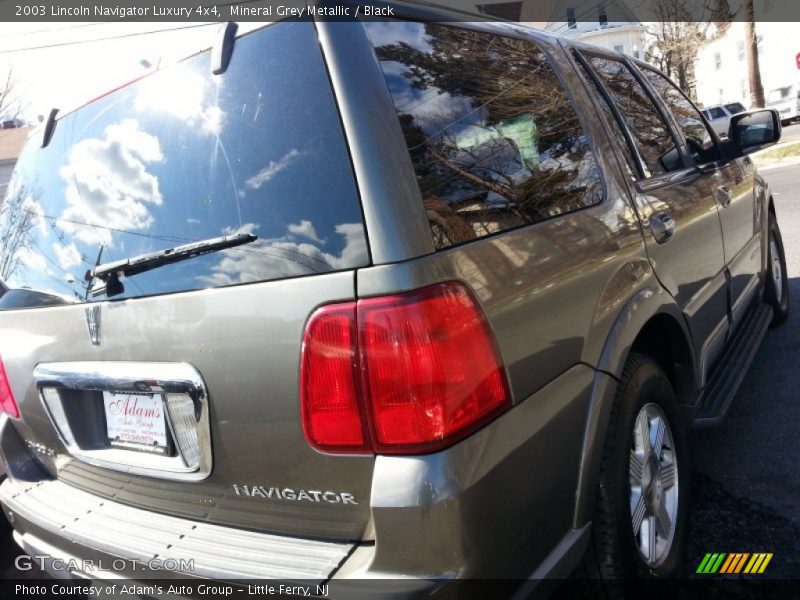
point(664, 521)
point(636, 468)
point(651, 539)
point(667, 476)
point(658, 444)
point(638, 514)
point(643, 434)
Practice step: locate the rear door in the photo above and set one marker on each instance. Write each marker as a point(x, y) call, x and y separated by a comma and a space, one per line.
point(678, 212)
point(213, 342)
point(732, 184)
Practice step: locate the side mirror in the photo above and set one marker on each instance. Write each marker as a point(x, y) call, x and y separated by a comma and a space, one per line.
point(754, 130)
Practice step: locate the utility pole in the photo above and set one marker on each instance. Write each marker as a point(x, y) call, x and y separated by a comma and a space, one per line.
point(753, 68)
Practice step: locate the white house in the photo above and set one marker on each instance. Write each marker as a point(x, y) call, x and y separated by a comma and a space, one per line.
point(721, 67)
point(609, 24)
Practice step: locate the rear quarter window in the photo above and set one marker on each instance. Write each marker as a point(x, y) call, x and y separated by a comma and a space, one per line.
point(184, 155)
point(495, 141)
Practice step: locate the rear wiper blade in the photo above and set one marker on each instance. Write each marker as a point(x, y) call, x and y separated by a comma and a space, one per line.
point(110, 272)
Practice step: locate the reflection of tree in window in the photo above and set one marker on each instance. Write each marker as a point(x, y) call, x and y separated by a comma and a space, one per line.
point(697, 135)
point(650, 133)
point(493, 137)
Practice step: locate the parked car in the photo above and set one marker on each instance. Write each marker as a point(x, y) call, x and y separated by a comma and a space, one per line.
point(399, 299)
point(720, 116)
point(786, 100)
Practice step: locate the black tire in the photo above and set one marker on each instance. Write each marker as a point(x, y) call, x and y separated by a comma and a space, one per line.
point(613, 548)
point(778, 300)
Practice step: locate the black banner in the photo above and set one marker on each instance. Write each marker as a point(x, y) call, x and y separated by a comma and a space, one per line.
point(533, 11)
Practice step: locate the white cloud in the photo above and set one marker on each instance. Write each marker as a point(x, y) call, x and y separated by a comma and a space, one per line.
point(272, 169)
point(276, 258)
point(108, 183)
point(183, 94)
point(67, 256)
point(306, 229)
point(33, 260)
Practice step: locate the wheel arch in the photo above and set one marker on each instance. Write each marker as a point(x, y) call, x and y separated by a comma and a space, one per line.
point(650, 323)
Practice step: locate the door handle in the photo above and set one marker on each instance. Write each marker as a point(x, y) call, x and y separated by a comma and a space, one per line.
point(663, 226)
point(724, 195)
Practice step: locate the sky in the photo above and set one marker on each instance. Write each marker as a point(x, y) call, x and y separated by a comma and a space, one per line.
point(67, 76)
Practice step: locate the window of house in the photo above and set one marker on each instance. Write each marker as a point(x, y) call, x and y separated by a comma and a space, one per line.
point(494, 139)
point(717, 61)
point(571, 22)
point(620, 48)
point(740, 49)
point(697, 135)
point(650, 133)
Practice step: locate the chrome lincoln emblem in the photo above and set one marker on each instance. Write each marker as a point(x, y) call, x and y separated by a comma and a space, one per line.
point(93, 323)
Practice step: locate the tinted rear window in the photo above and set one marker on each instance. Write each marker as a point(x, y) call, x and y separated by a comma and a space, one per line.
point(184, 155)
point(494, 138)
point(735, 108)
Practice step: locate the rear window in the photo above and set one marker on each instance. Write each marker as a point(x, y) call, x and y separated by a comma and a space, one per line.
point(184, 155)
point(735, 108)
point(717, 113)
point(495, 141)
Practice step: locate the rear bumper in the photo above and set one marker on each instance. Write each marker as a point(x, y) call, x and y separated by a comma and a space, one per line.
point(110, 539)
point(498, 505)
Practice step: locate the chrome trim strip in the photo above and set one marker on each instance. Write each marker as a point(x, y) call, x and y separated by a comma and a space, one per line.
point(131, 377)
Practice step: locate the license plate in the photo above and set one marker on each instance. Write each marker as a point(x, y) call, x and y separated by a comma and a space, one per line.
point(136, 421)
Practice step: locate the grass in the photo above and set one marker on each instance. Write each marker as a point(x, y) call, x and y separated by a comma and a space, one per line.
point(780, 152)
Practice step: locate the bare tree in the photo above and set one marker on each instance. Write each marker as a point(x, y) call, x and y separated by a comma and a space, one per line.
point(17, 221)
point(10, 97)
point(679, 33)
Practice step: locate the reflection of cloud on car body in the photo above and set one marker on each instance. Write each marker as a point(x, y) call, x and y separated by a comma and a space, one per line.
point(108, 182)
point(267, 259)
point(305, 229)
point(183, 94)
point(67, 256)
point(268, 172)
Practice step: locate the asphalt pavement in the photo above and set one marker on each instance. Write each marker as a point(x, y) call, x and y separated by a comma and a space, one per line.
point(746, 473)
point(791, 133)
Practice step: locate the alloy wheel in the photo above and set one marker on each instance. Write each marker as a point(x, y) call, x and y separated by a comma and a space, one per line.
point(653, 478)
point(777, 271)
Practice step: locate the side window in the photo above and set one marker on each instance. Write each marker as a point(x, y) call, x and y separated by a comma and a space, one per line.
point(649, 131)
point(616, 129)
point(495, 142)
point(698, 138)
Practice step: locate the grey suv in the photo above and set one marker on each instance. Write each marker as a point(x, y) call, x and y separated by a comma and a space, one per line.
point(404, 299)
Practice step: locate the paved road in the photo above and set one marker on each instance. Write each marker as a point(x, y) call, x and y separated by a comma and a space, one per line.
point(747, 472)
point(791, 133)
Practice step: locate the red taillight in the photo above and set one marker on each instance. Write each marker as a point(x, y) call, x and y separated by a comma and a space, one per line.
point(424, 362)
point(7, 403)
point(330, 381)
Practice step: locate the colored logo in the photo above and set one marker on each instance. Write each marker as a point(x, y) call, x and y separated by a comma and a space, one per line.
point(736, 562)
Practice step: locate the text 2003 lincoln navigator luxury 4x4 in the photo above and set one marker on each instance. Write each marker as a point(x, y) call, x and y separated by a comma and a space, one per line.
point(379, 300)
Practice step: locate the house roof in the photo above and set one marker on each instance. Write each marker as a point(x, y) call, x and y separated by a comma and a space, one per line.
point(11, 143)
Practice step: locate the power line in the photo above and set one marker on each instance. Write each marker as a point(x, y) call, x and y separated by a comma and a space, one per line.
point(57, 29)
point(104, 39)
